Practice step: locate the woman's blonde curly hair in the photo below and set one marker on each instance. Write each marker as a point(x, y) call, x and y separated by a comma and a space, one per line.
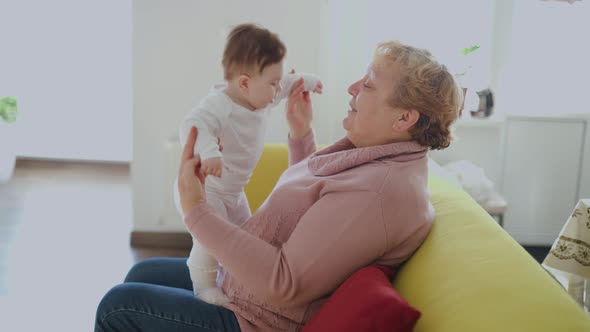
point(426, 86)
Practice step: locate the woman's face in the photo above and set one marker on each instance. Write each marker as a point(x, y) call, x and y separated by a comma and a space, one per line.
point(371, 120)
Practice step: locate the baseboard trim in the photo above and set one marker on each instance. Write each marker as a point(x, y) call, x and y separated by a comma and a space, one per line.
point(172, 240)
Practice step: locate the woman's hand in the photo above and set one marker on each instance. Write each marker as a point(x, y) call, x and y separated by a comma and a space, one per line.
point(299, 113)
point(190, 180)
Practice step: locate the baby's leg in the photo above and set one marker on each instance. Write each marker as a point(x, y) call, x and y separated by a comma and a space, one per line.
point(219, 206)
point(240, 210)
point(203, 267)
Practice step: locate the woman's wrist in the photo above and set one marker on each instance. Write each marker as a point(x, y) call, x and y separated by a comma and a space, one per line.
point(194, 205)
point(298, 134)
point(195, 212)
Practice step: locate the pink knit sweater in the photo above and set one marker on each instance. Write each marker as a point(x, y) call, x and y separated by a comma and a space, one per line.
point(341, 209)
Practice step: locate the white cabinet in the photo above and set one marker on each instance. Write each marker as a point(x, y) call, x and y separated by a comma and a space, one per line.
point(543, 175)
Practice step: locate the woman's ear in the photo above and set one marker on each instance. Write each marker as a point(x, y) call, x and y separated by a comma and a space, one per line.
point(406, 120)
point(244, 83)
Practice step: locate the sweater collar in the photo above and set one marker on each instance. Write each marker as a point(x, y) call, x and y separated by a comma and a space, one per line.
point(343, 155)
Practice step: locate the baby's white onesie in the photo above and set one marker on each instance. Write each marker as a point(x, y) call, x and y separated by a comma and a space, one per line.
point(241, 133)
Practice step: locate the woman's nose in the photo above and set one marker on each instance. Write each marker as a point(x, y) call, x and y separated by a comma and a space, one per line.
point(353, 89)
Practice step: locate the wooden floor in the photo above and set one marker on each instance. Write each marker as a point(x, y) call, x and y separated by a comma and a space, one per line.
point(64, 242)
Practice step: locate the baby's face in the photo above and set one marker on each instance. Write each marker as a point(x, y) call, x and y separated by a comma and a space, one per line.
point(265, 87)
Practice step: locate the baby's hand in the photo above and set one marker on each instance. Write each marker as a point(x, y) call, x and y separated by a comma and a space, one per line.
point(319, 87)
point(212, 166)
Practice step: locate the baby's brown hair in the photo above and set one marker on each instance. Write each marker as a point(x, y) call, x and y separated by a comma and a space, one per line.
point(251, 48)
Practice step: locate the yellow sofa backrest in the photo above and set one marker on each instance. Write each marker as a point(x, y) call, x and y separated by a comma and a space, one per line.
point(469, 275)
point(273, 162)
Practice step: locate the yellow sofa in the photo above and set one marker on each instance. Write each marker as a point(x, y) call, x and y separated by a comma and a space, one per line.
point(469, 275)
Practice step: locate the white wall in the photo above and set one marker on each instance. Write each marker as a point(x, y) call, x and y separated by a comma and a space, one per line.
point(479, 143)
point(69, 64)
point(344, 54)
point(177, 48)
point(547, 70)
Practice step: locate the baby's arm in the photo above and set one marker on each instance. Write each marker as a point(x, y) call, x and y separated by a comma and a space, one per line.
point(311, 83)
point(212, 166)
point(209, 123)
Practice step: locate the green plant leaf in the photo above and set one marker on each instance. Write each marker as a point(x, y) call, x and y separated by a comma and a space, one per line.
point(469, 49)
point(8, 109)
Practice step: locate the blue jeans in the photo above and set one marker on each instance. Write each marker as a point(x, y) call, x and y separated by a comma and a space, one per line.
point(157, 295)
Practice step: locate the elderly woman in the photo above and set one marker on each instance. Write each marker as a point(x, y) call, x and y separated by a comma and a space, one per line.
point(361, 201)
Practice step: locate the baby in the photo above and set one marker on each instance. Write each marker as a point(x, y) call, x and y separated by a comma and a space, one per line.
point(235, 114)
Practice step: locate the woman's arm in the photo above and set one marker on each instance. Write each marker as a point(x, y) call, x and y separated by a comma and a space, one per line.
point(301, 148)
point(299, 117)
point(339, 234)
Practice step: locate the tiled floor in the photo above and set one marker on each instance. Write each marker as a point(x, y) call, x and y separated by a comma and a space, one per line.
point(64, 242)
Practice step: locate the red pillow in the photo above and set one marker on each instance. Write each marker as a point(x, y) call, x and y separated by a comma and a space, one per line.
point(366, 301)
